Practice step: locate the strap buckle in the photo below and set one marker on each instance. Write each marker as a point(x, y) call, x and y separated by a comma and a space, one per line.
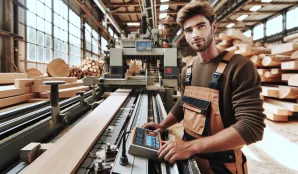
point(215, 80)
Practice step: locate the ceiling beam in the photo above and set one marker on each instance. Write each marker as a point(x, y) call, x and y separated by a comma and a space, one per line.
point(255, 12)
point(235, 21)
point(160, 22)
point(271, 3)
point(137, 4)
point(139, 12)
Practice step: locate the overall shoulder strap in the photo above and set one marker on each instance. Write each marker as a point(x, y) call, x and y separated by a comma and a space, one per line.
point(220, 69)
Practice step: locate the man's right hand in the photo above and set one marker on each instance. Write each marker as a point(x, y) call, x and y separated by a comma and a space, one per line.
point(153, 126)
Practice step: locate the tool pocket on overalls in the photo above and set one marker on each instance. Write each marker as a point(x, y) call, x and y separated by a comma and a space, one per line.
point(195, 111)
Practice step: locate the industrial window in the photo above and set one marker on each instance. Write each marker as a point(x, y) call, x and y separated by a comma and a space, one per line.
point(91, 39)
point(274, 26)
point(60, 30)
point(292, 18)
point(103, 44)
point(75, 52)
point(39, 31)
point(258, 32)
point(247, 33)
point(111, 32)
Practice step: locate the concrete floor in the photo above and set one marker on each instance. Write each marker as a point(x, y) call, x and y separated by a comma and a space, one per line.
point(277, 153)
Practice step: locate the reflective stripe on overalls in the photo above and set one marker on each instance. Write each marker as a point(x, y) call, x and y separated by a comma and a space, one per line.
point(202, 118)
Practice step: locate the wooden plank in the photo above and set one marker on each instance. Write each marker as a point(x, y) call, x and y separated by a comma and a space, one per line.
point(237, 34)
point(223, 36)
point(233, 48)
point(44, 88)
point(294, 55)
point(66, 93)
point(65, 79)
point(274, 117)
point(30, 152)
point(276, 109)
point(287, 92)
point(9, 91)
point(72, 148)
point(286, 77)
point(270, 91)
point(293, 80)
point(16, 99)
point(21, 83)
point(286, 49)
point(292, 65)
point(288, 105)
point(8, 78)
point(34, 100)
point(274, 61)
point(291, 37)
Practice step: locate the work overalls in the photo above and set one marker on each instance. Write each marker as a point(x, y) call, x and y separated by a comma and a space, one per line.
point(202, 118)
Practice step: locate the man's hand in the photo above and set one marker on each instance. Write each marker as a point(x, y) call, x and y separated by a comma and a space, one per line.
point(153, 126)
point(174, 150)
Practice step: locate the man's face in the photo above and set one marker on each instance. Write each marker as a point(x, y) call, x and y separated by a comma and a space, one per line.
point(198, 32)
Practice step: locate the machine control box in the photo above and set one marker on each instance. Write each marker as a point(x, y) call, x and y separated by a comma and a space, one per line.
point(145, 143)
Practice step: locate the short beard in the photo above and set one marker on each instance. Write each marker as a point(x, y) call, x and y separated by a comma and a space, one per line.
point(203, 47)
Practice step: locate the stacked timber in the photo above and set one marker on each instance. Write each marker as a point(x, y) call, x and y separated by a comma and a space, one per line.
point(76, 71)
point(277, 66)
point(90, 67)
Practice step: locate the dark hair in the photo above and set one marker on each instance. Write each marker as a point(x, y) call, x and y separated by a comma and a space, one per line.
point(195, 8)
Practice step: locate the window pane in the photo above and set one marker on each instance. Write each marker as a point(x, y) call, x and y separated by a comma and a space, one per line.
point(31, 53)
point(56, 55)
point(88, 46)
point(31, 4)
point(48, 14)
point(48, 41)
point(74, 60)
point(39, 54)
point(56, 32)
point(65, 47)
point(258, 32)
point(247, 33)
point(60, 45)
point(40, 38)
point(56, 6)
point(56, 44)
point(292, 17)
point(31, 35)
point(31, 19)
point(48, 28)
point(40, 9)
point(274, 25)
point(65, 57)
point(48, 3)
point(40, 25)
point(48, 55)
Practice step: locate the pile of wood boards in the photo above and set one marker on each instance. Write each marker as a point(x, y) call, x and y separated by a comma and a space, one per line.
point(90, 67)
point(25, 89)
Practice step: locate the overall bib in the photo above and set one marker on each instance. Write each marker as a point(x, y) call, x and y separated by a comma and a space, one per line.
point(202, 118)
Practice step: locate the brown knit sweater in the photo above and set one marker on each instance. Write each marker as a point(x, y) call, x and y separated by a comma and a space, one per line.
point(239, 95)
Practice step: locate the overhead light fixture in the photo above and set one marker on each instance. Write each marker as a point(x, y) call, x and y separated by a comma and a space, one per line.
point(133, 24)
point(255, 8)
point(164, 0)
point(179, 32)
point(242, 17)
point(230, 25)
point(164, 7)
point(163, 15)
point(266, 0)
point(159, 26)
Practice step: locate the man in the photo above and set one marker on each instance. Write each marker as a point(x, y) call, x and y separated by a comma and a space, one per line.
point(221, 107)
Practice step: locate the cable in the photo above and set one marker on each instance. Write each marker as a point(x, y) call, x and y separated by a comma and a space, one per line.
point(123, 158)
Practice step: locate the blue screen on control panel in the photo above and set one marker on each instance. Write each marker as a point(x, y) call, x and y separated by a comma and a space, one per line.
point(150, 141)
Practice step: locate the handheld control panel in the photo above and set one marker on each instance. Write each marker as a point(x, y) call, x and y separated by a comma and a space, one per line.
point(145, 143)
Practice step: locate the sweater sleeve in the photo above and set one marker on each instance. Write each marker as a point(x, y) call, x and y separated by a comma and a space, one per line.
point(247, 104)
point(177, 110)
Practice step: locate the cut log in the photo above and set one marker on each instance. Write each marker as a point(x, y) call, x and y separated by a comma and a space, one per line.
point(73, 147)
point(287, 92)
point(8, 78)
point(16, 99)
point(21, 83)
point(295, 55)
point(58, 68)
point(273, 61)
point(278, 110)
point(291, 37)
point(33, 72)
point(269, 75)
point(34, 100)
point(293, 80)
point(286, 77)
point(66, 93)
point(8, 91)
point(257, 60)
point(237, 34)
point(44, 88)
point(288, 105)
point(293, 65)
point(286, 49)
point(269, 91)
point(274, 117)
point(275, 71)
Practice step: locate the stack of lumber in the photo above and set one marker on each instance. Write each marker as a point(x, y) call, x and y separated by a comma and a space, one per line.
point(68, 157)
point(32, 89)
point(76, 71)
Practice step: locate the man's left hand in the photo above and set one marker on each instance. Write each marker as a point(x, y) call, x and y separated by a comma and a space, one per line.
point(174, 150)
